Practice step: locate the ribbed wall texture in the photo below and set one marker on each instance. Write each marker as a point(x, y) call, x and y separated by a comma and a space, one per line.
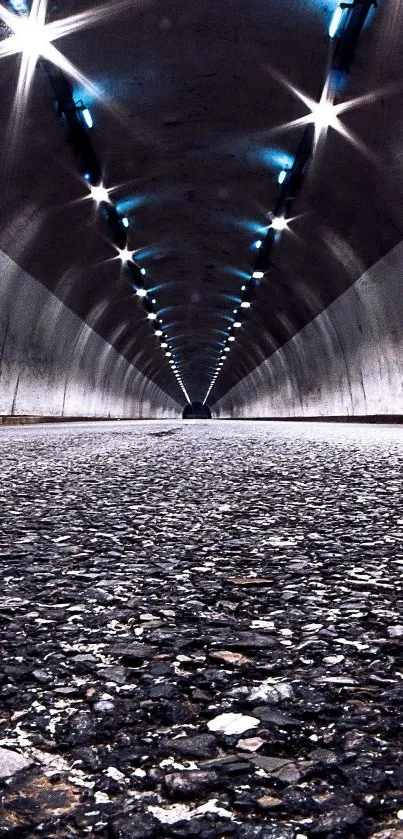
point(346, 362)
point(54, 364)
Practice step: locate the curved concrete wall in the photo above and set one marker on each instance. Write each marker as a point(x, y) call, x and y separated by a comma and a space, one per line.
point(347, 362)
point(54, 364)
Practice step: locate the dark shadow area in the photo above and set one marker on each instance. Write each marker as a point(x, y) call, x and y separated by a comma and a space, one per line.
point(196, 410)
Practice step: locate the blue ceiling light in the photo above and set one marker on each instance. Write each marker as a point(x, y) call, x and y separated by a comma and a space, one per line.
point(271, 157)
point(347, 29)
point(258, 244)
point(335, 22)
point(87, 118)
point(20, 6)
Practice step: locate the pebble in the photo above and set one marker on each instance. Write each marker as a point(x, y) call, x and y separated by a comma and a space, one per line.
point(12, 762)
point(268, 692)
point(232, 723)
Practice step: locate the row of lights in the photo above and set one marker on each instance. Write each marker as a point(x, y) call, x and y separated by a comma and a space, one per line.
point(277, 225)
point(101, 195)
point(80, 122)
point(345, 27)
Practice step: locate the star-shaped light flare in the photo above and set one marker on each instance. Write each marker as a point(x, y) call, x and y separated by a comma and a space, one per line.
point(325, 114)
point(32, 37)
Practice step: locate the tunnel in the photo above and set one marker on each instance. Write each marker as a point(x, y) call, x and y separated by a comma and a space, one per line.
point(201, 218)
point(196, 410)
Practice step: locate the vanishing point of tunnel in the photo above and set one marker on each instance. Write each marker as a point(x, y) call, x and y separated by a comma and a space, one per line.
point(201, 405)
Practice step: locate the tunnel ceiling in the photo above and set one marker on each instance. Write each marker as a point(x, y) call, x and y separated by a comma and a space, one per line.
point(187, 105)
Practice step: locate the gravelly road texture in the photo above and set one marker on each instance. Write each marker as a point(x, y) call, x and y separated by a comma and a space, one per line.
point(202, 631)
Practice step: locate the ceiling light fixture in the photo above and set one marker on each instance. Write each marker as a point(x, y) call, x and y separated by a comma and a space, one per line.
point(279, 223)
point(125, 255)
point(335, 22)
point(87, 118)
point(100, 194)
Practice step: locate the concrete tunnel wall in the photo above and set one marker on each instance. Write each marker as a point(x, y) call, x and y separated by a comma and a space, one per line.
point(347, 362)
point(54, 364)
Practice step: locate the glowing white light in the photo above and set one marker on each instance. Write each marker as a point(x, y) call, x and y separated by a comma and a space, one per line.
point(152, 316)
point(164, 345)
point(335, 22)
point(88, 118)
point(223, 357)
point(143, 271)
point(258, 244)
point(125, 222)
point(278, 223)
point(282, 176)
point(168, 354)
point(227, 349)
point(257, 275)
point(99, 194)
point(235, 311)
point(141, 292)
point(324, 114)
point(125, 255)
point(158, 332)
point(33, 37)
point(231, 338)
point(237, 324)
point(245, 305)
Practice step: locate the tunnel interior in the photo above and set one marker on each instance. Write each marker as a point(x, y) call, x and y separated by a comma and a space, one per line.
point(160, 242)
point(196, 410)
point(201, 217)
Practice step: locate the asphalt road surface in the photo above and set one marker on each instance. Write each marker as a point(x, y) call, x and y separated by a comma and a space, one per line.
point(201, 630)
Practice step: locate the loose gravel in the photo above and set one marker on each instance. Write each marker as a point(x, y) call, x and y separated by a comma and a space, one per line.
point(201, 631)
